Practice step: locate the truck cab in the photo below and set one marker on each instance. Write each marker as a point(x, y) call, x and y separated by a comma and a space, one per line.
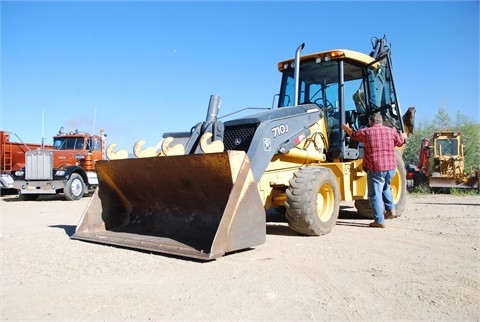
point(68, 167)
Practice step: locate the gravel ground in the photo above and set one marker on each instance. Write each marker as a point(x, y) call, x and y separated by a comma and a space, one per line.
point(424, 266)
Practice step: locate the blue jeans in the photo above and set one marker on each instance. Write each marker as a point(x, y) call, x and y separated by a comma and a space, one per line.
point(379, 193)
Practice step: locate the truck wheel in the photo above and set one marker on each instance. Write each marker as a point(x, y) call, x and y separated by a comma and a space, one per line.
point(399, 191)
point(28, 197)
point(75, 187)
point(313, 201)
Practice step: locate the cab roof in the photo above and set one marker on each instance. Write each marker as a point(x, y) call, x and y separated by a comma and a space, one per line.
point(352, 55)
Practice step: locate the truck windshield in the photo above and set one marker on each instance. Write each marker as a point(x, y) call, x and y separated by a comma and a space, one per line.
point(68, 143)
point(446, 147)
point(93, 144)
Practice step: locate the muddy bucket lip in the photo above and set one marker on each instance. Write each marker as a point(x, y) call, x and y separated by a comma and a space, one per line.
point(157, 245)
point(236, 221)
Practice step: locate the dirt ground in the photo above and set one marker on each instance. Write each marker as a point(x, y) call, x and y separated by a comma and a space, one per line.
point(424, 266)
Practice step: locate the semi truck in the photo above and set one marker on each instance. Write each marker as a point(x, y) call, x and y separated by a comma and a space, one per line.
point(67, 167)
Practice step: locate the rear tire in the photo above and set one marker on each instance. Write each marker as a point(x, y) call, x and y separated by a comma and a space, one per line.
point(313, 201)
point(399, 191)
point(74, 188)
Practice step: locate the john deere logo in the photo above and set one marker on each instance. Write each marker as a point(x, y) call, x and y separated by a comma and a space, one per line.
point(267, 144)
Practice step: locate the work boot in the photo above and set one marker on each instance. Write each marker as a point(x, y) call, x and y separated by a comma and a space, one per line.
point(376, 225)
point(389, 214)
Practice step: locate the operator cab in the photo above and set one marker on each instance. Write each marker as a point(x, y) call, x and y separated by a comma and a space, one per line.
point(65, 142)
point(348, 86)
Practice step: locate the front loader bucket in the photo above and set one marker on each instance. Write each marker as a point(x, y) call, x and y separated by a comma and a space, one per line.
point(197, 205)
point(444, 182)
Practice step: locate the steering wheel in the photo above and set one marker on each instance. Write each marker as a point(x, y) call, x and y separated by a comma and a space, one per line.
point(329, 104)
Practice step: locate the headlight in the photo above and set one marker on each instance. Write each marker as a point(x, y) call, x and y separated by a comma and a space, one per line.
point(60, 173)
point(19, 173)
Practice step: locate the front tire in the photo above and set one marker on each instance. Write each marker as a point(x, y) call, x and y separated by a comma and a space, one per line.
point(74, 188)
point(399, 191)
point(313, 201)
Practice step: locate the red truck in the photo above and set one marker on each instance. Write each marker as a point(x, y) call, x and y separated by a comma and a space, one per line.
point(67, 167)
point(12, 157)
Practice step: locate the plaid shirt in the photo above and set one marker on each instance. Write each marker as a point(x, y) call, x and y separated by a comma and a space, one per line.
point(379, 142)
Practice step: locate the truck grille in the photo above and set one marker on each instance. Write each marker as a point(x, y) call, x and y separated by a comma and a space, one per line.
point(239, 137)
point(38, 165)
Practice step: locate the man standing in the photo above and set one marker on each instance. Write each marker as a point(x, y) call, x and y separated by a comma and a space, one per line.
point(380, 164)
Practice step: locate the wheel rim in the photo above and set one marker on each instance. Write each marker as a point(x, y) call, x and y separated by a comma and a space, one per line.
point(77, 187)
point(395, 186)
point(325, 202)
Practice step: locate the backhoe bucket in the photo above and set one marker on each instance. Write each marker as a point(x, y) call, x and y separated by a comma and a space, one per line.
point(197, 205)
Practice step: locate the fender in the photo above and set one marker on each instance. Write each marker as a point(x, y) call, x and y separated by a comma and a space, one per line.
point(69, 170)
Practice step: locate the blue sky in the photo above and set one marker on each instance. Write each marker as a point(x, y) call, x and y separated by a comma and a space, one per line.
point(139, 69)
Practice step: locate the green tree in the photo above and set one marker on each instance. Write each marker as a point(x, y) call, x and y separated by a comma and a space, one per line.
point(442, 121)
point(471, 141)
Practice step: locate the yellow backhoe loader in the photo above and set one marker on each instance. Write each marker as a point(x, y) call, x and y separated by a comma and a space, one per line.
point(207, 192)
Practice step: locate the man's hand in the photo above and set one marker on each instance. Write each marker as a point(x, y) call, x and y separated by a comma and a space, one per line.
point(347, 129)
point(404, 135)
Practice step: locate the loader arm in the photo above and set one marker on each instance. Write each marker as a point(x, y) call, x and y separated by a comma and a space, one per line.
point(211, 125)
point(266, 134)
